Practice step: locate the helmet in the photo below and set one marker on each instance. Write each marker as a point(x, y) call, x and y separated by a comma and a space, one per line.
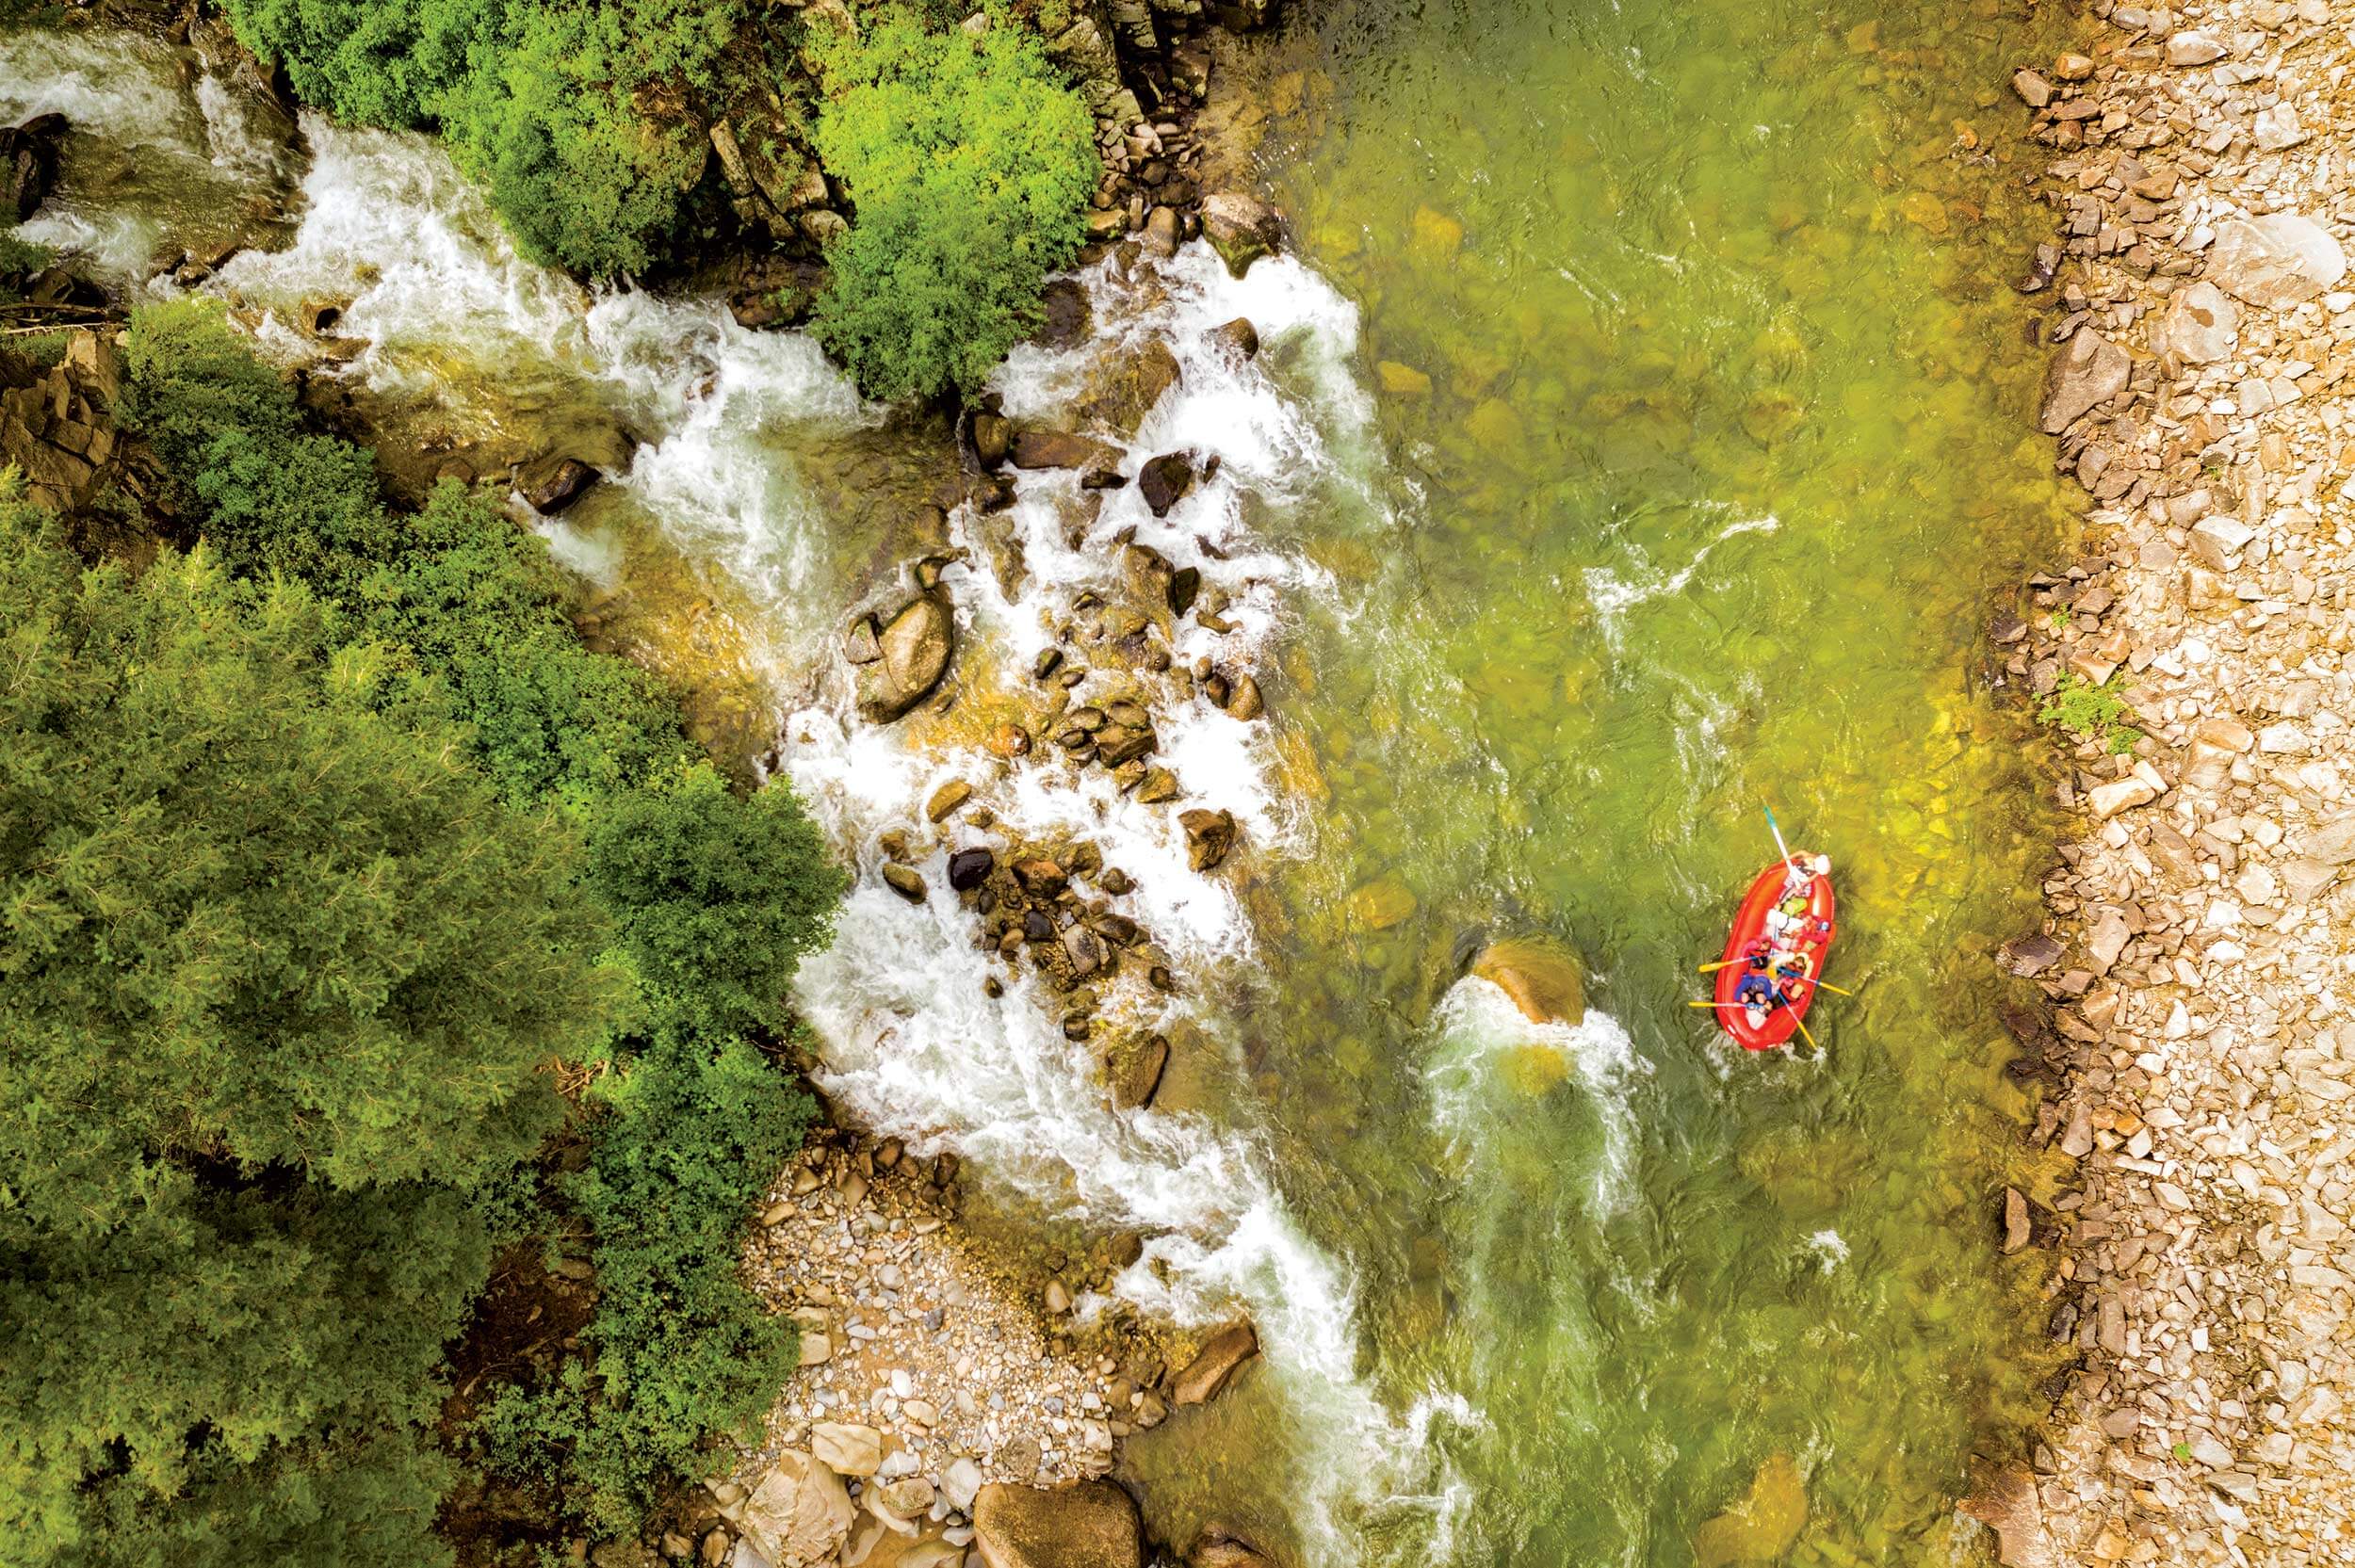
point(1823, 866)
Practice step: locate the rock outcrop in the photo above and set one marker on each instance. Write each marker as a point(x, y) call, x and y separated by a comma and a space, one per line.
point(897, 660)
point(1090, 1524)
point(29, 164)
point(799, 1513)
point(1544, 980)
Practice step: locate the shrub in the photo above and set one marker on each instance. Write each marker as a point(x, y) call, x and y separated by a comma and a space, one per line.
point(2091, 712)
point(969, 164)
point(716, 897)
point(693, 1130)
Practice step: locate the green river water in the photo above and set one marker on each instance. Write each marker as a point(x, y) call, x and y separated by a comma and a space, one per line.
point(1673, 273)
point(1698, 456)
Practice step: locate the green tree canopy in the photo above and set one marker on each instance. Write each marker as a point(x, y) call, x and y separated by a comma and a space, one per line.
point(970, 164)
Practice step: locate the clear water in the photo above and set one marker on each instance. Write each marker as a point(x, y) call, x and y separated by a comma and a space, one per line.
point(1640, 439)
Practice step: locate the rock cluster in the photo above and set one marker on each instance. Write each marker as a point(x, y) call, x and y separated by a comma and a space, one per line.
point(56, 428)
point(2197, 942)
point(940, 1393)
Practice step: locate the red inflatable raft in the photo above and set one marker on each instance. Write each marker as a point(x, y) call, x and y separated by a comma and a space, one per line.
point(1750, 922)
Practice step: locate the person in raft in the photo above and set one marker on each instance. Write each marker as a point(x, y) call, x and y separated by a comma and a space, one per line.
point(1755, 991)
point(1788, 922)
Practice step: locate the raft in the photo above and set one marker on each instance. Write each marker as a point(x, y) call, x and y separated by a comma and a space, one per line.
point(1749, 921)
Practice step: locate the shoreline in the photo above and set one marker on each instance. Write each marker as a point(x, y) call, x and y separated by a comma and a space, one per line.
point(2193, 662)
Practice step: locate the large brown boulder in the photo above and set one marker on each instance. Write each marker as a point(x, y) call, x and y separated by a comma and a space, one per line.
point(800, 1513)
point(1061, 450)
point(1543, 979)
point(2089, 370)
point(913, 649)
point(1090, 1523)
point(1215, 1365)
point(2006, 1501)
point(1122, 390)
point(29, 164)
point(1219, 1549)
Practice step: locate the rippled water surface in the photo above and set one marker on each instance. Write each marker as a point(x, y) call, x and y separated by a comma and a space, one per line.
point(1639, 439)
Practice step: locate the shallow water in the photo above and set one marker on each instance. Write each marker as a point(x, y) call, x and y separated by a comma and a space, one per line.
point(1639, 440)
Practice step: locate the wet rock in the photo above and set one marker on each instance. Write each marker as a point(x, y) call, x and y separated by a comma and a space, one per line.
point(2032, 89)
point(2089, 369)
point(1543, 978)
point(29, 164)
point(1121, 743)
point(1133, 1070)
point(1378, 905)
point(914, 645)
point(970, 868)
point(1161, 232)
point(905, 880)
point(1213, 1367)
point(2006, 1501)
point(2031, 954)
point(2200, 325)
point(799, 1513)
point(1122, 390)
point(993, 438)
point(1762, 1526)
point(2015, 1228)
point(1159, 784)
point(1068, 321)
point(1238, 339)
point(1184, 583)
point(2279, 260)
point(1090, 1523)
point(554, 483)
point(1164, 480)
point(947, 799)
point(1061, 450)
point(1209, 837)
point(1245, 702)
point(1240, 229)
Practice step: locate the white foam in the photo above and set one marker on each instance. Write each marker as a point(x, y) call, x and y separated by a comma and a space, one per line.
point(1477, 1024)
point(113, 84)
point(1613, 595)
point(1827, 1248)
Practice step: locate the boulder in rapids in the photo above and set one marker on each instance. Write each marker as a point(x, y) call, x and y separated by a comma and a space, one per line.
point(2090, 369)
point(1065, 317)
point(1089, 1524)
point(1133, 1070)
point(554, 483)
point(1237, 339)
point(1122, 390)
point(1760, 1527)
point(1209, 837)
point(905, 880)
point(1061, 450)
point(1214, 1365)
point(1240, 229)
point(799, 1513)
point(914, 645)
point(1161, 232)
point(1543, 978)
point(970, 868)
point(29, 164)
point(1164, 480)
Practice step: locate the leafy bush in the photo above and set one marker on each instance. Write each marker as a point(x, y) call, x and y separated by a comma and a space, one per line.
point(693, 1131)
point(970, 164)
point(276, 974)
point(716, 897)
point(2091, 711)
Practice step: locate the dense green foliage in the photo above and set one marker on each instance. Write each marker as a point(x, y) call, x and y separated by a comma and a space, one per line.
point(969, 165)
point(316, 845)
point(544, 100)
point(694, 1129)
point(275, 971)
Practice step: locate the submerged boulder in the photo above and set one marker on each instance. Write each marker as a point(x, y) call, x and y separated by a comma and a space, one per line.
point(1122, 390)
point(1090, 1523)
point(2091, 369)
point(1762, 1526)
point(1214, 1365)
point(913, 650)
point(1543, 979)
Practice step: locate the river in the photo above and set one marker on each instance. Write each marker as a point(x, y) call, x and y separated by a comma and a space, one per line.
point(1640, 439)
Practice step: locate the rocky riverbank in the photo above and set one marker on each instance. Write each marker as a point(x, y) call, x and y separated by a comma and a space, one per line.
point(2195, 658)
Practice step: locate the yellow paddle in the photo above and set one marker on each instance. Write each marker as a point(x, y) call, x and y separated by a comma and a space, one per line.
point(1728, 963)
point(1795, 1018)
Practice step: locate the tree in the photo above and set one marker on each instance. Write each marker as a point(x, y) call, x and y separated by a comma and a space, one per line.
point(277, 972)
point(970, 166)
